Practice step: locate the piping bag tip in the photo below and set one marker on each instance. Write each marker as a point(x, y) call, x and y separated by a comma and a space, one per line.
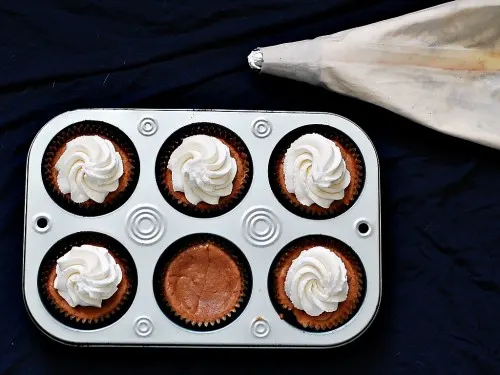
point(299, 61)
point(256, 59)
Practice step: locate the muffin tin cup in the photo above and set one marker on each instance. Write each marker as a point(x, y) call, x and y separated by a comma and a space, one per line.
point(315, 212)
point(146, 224)
point(244, 177)
point(284, 306)
point(60, 248)
point(178, 247)
point(104, 130)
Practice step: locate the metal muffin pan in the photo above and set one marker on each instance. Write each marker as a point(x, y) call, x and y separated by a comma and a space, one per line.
point(144, 324)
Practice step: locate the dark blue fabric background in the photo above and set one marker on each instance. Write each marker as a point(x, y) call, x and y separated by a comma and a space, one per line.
point(441, 201)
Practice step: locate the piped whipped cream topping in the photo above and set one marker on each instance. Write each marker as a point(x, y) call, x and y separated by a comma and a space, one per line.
point(87, 275)
point(203, 169)
point(89, 168)
point(316, 282)
point(315, 171)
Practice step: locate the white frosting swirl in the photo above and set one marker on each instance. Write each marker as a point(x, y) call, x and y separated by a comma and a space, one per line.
point(203, 169)
point(315, 171)
point(89, 168)
point(87, 275)
point(317, 281)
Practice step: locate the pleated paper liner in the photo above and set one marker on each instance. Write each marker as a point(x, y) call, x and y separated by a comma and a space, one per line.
point(327, 321)
point(177, 248)
point(123, 145)
point(241, 183)
point(87, 317)
point(354, 162)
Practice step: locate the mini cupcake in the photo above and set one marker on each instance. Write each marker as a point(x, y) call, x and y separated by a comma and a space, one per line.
point(204, 285)
point(321, 282)
point(88, 286)
point(317, 175)
point(90, 168)
point(204, 170)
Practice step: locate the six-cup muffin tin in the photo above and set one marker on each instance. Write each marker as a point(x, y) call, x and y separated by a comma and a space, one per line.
point(146, 224)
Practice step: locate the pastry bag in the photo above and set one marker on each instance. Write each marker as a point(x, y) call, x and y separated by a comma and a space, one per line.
point(439, 67)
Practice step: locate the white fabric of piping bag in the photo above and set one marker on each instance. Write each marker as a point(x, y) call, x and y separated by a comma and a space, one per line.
point(439, 67)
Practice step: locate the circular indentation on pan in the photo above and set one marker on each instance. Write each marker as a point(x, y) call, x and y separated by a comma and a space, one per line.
point(42, 223)
point(143, 326)
point(175, 249)
point(260, 328)
point(241, 182)
point(261, 226)
point(351, 155)
point(262, 128)
point(60, 313)
point(147, 126)
point(145, 224)
point(363, 228)
point(303, 243)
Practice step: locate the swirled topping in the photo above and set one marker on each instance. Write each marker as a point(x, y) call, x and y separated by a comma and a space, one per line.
point(87, 275)
point(203, 169)
point(317, 281)
point(89, 168)
point(315, 171)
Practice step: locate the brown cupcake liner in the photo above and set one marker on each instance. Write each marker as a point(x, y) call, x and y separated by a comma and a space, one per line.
point(124, 146)
point(61, 313)
point(243, 177)
point(178, 247)
point(349, 151)
point(326, 321)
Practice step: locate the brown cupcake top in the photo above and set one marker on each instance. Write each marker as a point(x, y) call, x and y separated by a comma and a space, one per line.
point(203, 284)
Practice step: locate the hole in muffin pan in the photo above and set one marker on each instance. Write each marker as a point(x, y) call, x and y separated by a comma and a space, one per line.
point(202, 210)
point(277, 156)
point(176, 248)
point(41, 223)
point(308, 242)
point(106, 131)
point(363, 228)
point(60, 248)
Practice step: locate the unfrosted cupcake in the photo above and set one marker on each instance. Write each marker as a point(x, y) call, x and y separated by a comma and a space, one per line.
point(88, 286)
point(320, 281)
point(90, 168)
point(204, 170)
point(316, 175)
point(204, 285)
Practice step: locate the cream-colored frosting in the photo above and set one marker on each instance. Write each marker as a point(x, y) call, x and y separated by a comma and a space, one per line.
point(87, 275)
point(315, 171)
point(316, 282)
point(203, 169)
point(89, 168)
